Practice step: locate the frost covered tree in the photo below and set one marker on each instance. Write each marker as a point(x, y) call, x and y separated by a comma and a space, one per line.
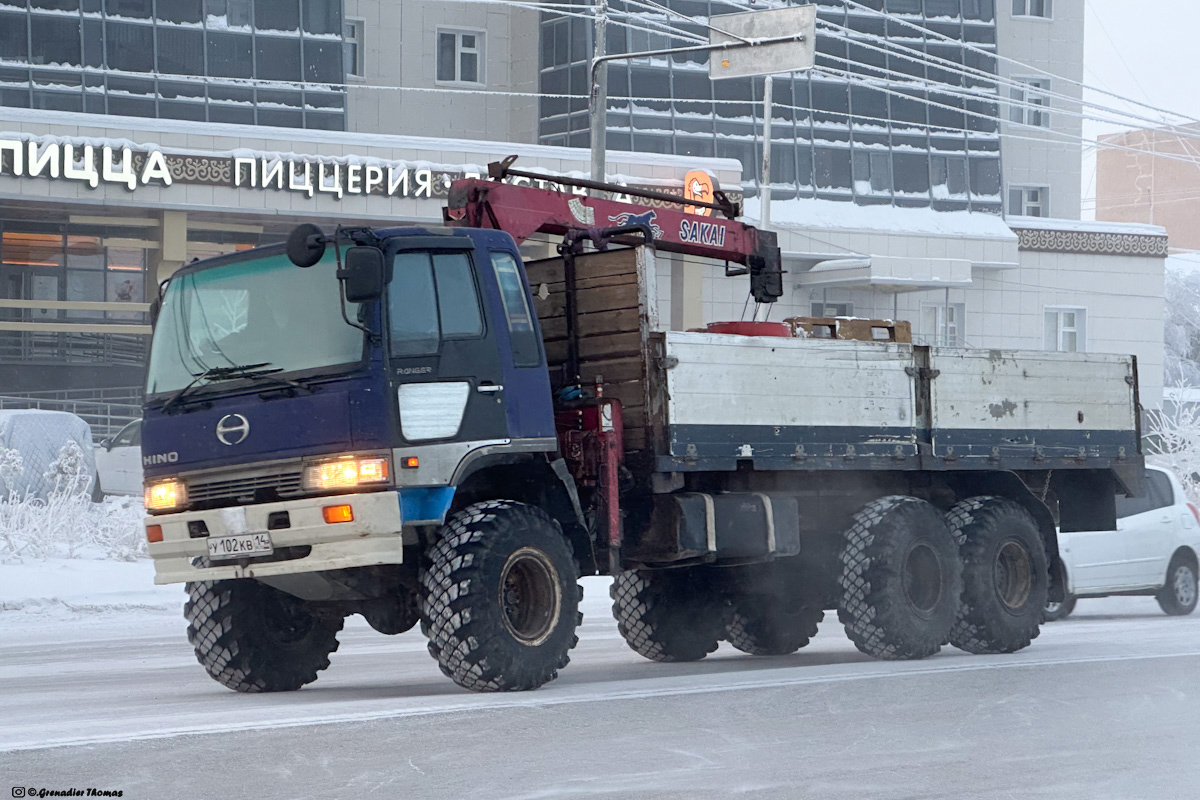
point(68, 473)
point(1181, 363)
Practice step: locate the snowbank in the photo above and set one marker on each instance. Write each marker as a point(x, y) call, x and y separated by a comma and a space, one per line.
point(61, 587)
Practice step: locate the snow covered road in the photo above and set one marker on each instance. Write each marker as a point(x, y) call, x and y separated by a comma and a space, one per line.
point(1104, 704)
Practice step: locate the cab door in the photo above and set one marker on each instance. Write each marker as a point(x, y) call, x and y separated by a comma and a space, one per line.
point(530, 409)
point(443, 350)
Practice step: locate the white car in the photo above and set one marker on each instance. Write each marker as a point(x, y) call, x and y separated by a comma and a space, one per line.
point(119, 462)
point(1152, 552)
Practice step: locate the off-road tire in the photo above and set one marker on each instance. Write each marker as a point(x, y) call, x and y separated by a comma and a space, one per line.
point(1006, 576)
point(395, 614)
point(500, 597)
point(1059, 611)
point(667, 615)
point(1178, 595)
point(900, 579)
point(767, 625)
point(251, 637)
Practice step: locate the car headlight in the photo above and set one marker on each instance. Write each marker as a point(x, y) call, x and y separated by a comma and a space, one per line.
point(347, 472)
point(166, 495)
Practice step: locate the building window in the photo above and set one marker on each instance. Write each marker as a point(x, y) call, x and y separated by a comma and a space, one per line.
point(944, 324)
point(353, 48)
point(872, 173)
point(1066, 329)
point(460, 57)
point(833, 309)
point(1029, 201)
point(1033, 8)
point(1029, 102)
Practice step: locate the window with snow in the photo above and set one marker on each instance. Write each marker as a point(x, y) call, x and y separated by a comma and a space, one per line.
point(1029, 201)
point(1033, 8)
point(872, 173)
point(460, 56)
point(949, 174)
point(1029, 102)
point(1066, 329)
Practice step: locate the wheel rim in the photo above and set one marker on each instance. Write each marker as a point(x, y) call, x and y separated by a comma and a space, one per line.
point(1185, 586)
point(1013, 573)
point(922, 578)
point(284, 619)
point(1053, 608)
point(530, 597)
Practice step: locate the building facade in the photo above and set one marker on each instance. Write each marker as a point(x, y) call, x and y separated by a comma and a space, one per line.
point(842, 131)
point(884, 210)
point(1144, 176)
point(96, 210)
point(250, 62)
point(1041, 121)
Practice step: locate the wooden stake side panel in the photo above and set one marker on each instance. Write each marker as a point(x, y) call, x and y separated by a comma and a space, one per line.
point(615, 313)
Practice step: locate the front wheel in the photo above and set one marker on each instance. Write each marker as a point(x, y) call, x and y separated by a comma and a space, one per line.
point(1178, 596)
point(252, 637)
point(1056, 611)
point(500, 598)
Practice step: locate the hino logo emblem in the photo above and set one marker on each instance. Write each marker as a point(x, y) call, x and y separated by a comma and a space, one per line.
point(233, 429)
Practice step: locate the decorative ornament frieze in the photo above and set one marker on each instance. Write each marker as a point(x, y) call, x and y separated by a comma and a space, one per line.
point(1098, 243)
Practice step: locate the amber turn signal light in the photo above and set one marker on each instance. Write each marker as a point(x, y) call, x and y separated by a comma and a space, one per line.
point(334, 514)
point(154, 533)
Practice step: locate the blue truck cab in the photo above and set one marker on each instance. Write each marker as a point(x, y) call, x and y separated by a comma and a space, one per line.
point(311, 437)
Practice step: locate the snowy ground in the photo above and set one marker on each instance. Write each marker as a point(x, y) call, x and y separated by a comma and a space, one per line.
point(98, 688)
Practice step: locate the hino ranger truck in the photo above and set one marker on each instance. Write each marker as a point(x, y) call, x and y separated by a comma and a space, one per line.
point(416, 425)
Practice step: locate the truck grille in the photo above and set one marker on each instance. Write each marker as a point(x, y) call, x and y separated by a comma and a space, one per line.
point(285, 484)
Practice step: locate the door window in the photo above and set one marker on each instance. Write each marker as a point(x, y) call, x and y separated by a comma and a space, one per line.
point(129, 436)
point(1159, 489)
point(432, 297)
point(1156, 494)
point(525, 346)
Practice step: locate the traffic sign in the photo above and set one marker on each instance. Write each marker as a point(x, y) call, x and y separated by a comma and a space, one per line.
point(764, 59)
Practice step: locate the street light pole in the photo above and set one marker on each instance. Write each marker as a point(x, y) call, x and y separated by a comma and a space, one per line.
point(598, 112)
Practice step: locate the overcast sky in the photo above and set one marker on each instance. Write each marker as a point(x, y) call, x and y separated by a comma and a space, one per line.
point(1141, 49)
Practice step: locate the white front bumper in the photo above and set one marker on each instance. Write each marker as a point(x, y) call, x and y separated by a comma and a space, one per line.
point(374, 537)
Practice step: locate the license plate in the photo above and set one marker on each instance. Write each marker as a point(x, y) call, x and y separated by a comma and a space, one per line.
point(247, 544)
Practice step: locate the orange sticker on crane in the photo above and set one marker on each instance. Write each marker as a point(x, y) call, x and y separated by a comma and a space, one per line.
point(698, 185)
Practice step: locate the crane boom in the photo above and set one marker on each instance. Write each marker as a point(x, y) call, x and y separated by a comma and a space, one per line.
point(522, 211)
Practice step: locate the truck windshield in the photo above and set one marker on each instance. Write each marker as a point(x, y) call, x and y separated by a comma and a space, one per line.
point(264, 311)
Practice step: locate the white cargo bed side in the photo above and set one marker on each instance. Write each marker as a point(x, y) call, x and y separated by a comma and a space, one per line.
point(998, 403)
point(739, 396)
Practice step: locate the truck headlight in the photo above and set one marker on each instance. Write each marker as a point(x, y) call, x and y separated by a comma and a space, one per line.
point(347, 472)
point(166, 495)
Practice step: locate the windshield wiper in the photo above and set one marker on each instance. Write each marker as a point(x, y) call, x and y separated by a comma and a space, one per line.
point(223, 374)
point(269, 375)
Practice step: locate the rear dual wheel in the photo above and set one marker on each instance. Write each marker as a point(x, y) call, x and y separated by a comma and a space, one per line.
point(1006, 575)
point(900, 579)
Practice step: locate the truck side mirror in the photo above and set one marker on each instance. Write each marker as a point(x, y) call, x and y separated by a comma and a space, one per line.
point(362, 274)
point(305, 245)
